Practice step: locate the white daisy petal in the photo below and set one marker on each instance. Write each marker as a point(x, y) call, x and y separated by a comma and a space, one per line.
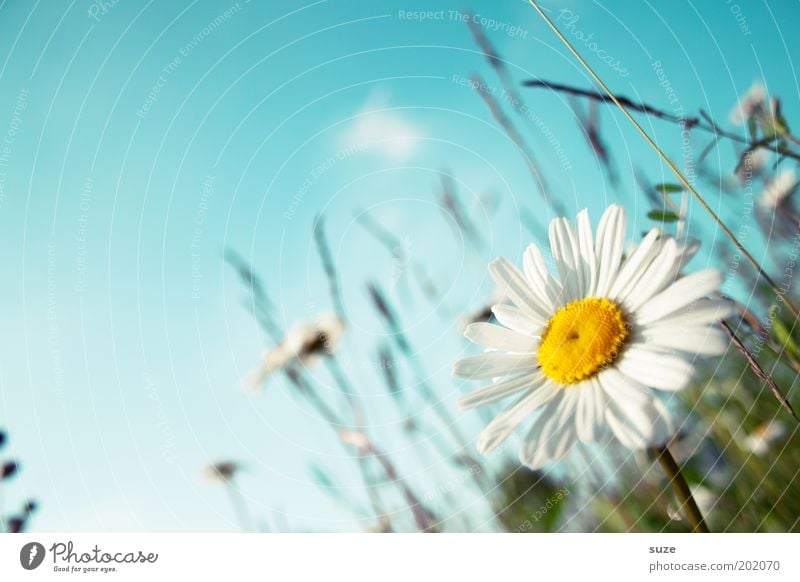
point(663, 428)
point(635, 265)
point(706, 341)
point(625, 432)
point(541, 281)
point(496, 337)
point(589, 412)
point(634, 414)
point(655, 368)
point(609, 246)
point(650, 425)
point(552, 447)
point(618, 386)
point(504, 423)
point(513, 284)
point(499, 390)
point(657, 276)
point(702, 312)
point(518, 320)
point(640, 424)
point(683, 292)
point(689, 247)
point(586, 250)
point(564, 246)
point(492, 365)
point(553, 433)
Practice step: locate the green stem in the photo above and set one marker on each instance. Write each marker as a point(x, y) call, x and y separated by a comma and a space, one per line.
point(681, 488)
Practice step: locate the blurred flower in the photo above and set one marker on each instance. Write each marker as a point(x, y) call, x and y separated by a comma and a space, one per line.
point(588, 348)
point(383, 525)
point(760, 440)
point(778, 190)
point(751, 103)
point(356, 439)
point(703, 496)
point(752, 164)
point(303, 345)
point(481, 314)
point(757, 110)
point(8, 470)
point(223, 471)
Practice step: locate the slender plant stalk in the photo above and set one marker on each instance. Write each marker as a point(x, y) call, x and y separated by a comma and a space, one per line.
point(759, 371)
point(681, 488)
point(239, 506)
point(780, 293)
point(516, 138)
point(689, 122)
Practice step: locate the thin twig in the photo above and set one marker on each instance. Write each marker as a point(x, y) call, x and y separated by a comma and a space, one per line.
point(595, 96)
point(759, 371)
point(689, 122)
point(328, 265)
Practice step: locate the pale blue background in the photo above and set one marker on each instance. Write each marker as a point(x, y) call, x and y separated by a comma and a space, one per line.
point(118, 384)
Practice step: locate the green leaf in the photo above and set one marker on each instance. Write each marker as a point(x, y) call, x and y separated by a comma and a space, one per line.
point(752, 127)
point(660, 216)
point(784, 336)
point(669, 188)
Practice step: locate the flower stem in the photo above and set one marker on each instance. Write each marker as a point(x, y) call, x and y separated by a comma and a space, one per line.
point(681, 489)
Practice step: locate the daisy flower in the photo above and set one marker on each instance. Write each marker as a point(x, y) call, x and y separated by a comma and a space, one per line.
point(777, 191)
point(482, 314)
point(590, 348)
point(223, 471)
point(751, 103)
point(762, 438)
point(303, 345)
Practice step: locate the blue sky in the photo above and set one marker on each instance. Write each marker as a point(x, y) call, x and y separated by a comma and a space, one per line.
point(144, 138)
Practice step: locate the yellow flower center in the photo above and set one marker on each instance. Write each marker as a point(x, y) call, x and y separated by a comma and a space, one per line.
point(581, 339)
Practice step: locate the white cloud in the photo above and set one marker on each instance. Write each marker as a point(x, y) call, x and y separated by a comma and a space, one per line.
point(379, 128)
